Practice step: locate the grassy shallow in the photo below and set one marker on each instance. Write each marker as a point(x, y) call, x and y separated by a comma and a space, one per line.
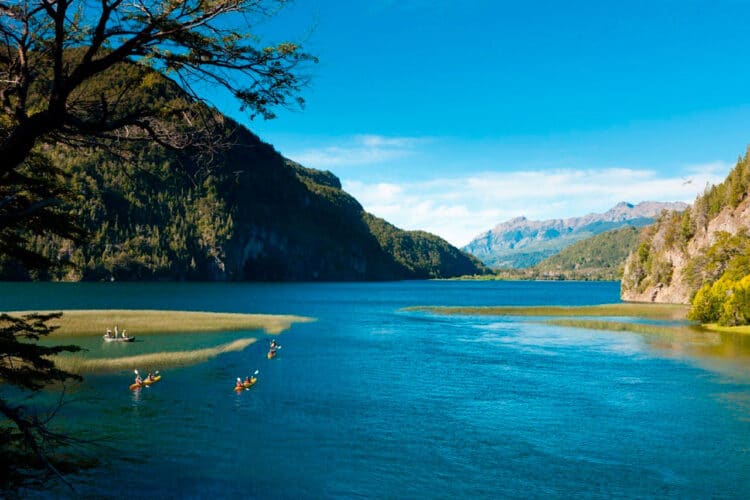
point(617, 326)
point(80, 324)
point(151, 361)
point(637, 310)
point(86, 323)
point(744, 329)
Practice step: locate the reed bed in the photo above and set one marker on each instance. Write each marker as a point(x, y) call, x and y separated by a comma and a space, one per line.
point(616, 326)
point(743, 329)
point(85, 323)
point(151, 361)
point(639, 310)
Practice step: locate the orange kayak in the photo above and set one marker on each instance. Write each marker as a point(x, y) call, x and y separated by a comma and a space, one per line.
point(145, 383)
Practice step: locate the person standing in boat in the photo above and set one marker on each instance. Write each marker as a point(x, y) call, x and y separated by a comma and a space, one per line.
point(115, 331)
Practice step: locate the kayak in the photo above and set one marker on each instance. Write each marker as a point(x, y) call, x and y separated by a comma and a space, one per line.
point(271, 354)
point(145, 383)
point(246, 385)
point(149, 382)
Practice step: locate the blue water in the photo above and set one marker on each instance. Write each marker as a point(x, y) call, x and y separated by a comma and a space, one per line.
point(373, 401)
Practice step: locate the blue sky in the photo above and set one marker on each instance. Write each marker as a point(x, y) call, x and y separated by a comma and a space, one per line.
point(454, 116)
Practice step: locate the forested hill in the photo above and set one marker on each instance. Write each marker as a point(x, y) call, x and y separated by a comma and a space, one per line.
point(601, 257)
point(248, 214)
point(701, 255)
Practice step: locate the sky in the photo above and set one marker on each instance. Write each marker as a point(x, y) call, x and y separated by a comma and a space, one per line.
point(452, 117)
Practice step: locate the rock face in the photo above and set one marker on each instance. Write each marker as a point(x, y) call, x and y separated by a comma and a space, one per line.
point(521, 243)
point(676, 286)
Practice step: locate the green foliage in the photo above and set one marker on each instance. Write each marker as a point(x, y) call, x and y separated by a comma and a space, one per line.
point(600, 257)
point(423, 254)
point(726, 302)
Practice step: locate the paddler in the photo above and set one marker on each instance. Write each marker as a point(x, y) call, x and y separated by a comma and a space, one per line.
point(239, 385)
point(138, 379)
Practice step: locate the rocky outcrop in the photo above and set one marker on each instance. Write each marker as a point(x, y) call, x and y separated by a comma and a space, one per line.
point(641, 286)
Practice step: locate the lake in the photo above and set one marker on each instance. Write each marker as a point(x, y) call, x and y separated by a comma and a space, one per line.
point(374, 401)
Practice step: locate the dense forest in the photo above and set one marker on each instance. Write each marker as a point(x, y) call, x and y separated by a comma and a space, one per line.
point(239, 211)
point(701, 256)
point(599, 258)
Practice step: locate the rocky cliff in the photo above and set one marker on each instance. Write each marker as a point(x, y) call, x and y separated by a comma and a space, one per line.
point(684, 251)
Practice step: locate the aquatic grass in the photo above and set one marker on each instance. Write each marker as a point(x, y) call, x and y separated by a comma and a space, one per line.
point(152, 361)
point(743, 329)
point(615, 326)
point(85, 323)
point(640, 310)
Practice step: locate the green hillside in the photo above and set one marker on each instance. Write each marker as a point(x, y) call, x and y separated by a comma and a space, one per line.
point(600, 257)
point(242, 212)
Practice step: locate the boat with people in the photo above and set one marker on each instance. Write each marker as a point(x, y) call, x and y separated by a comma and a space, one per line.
point(144, 382)
point(249, 381)
point(116, 337)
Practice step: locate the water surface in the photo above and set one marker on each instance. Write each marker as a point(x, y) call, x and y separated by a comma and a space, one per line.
point(373, 401)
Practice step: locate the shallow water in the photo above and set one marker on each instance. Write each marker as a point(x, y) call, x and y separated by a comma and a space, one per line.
point(373, 401)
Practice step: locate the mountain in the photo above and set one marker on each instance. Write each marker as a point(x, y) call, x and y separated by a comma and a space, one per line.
point(601, 257)
point(245, 213)
point(703, 251)
point(521, 243)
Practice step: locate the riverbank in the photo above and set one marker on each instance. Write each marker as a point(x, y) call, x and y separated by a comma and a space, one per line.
point(87, 323)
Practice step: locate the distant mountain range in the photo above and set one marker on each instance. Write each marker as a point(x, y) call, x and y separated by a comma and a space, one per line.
point(521, 243)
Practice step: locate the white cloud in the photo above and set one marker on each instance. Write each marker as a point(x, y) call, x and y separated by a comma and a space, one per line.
point(359, 150)
point(460, 208)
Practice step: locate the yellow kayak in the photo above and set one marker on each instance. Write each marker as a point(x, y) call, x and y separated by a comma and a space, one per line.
point(145, 383)
point(154, 380)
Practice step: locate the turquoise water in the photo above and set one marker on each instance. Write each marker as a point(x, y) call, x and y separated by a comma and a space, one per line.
point(372, 401)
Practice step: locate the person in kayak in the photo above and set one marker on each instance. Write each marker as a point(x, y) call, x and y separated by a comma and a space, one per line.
point(149, 377)
point(274, 345)
point(138, 379)
point(239, 385)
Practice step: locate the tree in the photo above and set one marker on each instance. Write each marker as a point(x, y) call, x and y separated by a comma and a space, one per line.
point(87, 73)
point(51, 49)
point(93, 73)
point(27, 443)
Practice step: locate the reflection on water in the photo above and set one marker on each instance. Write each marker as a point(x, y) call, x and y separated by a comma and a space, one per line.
point(720, 352)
